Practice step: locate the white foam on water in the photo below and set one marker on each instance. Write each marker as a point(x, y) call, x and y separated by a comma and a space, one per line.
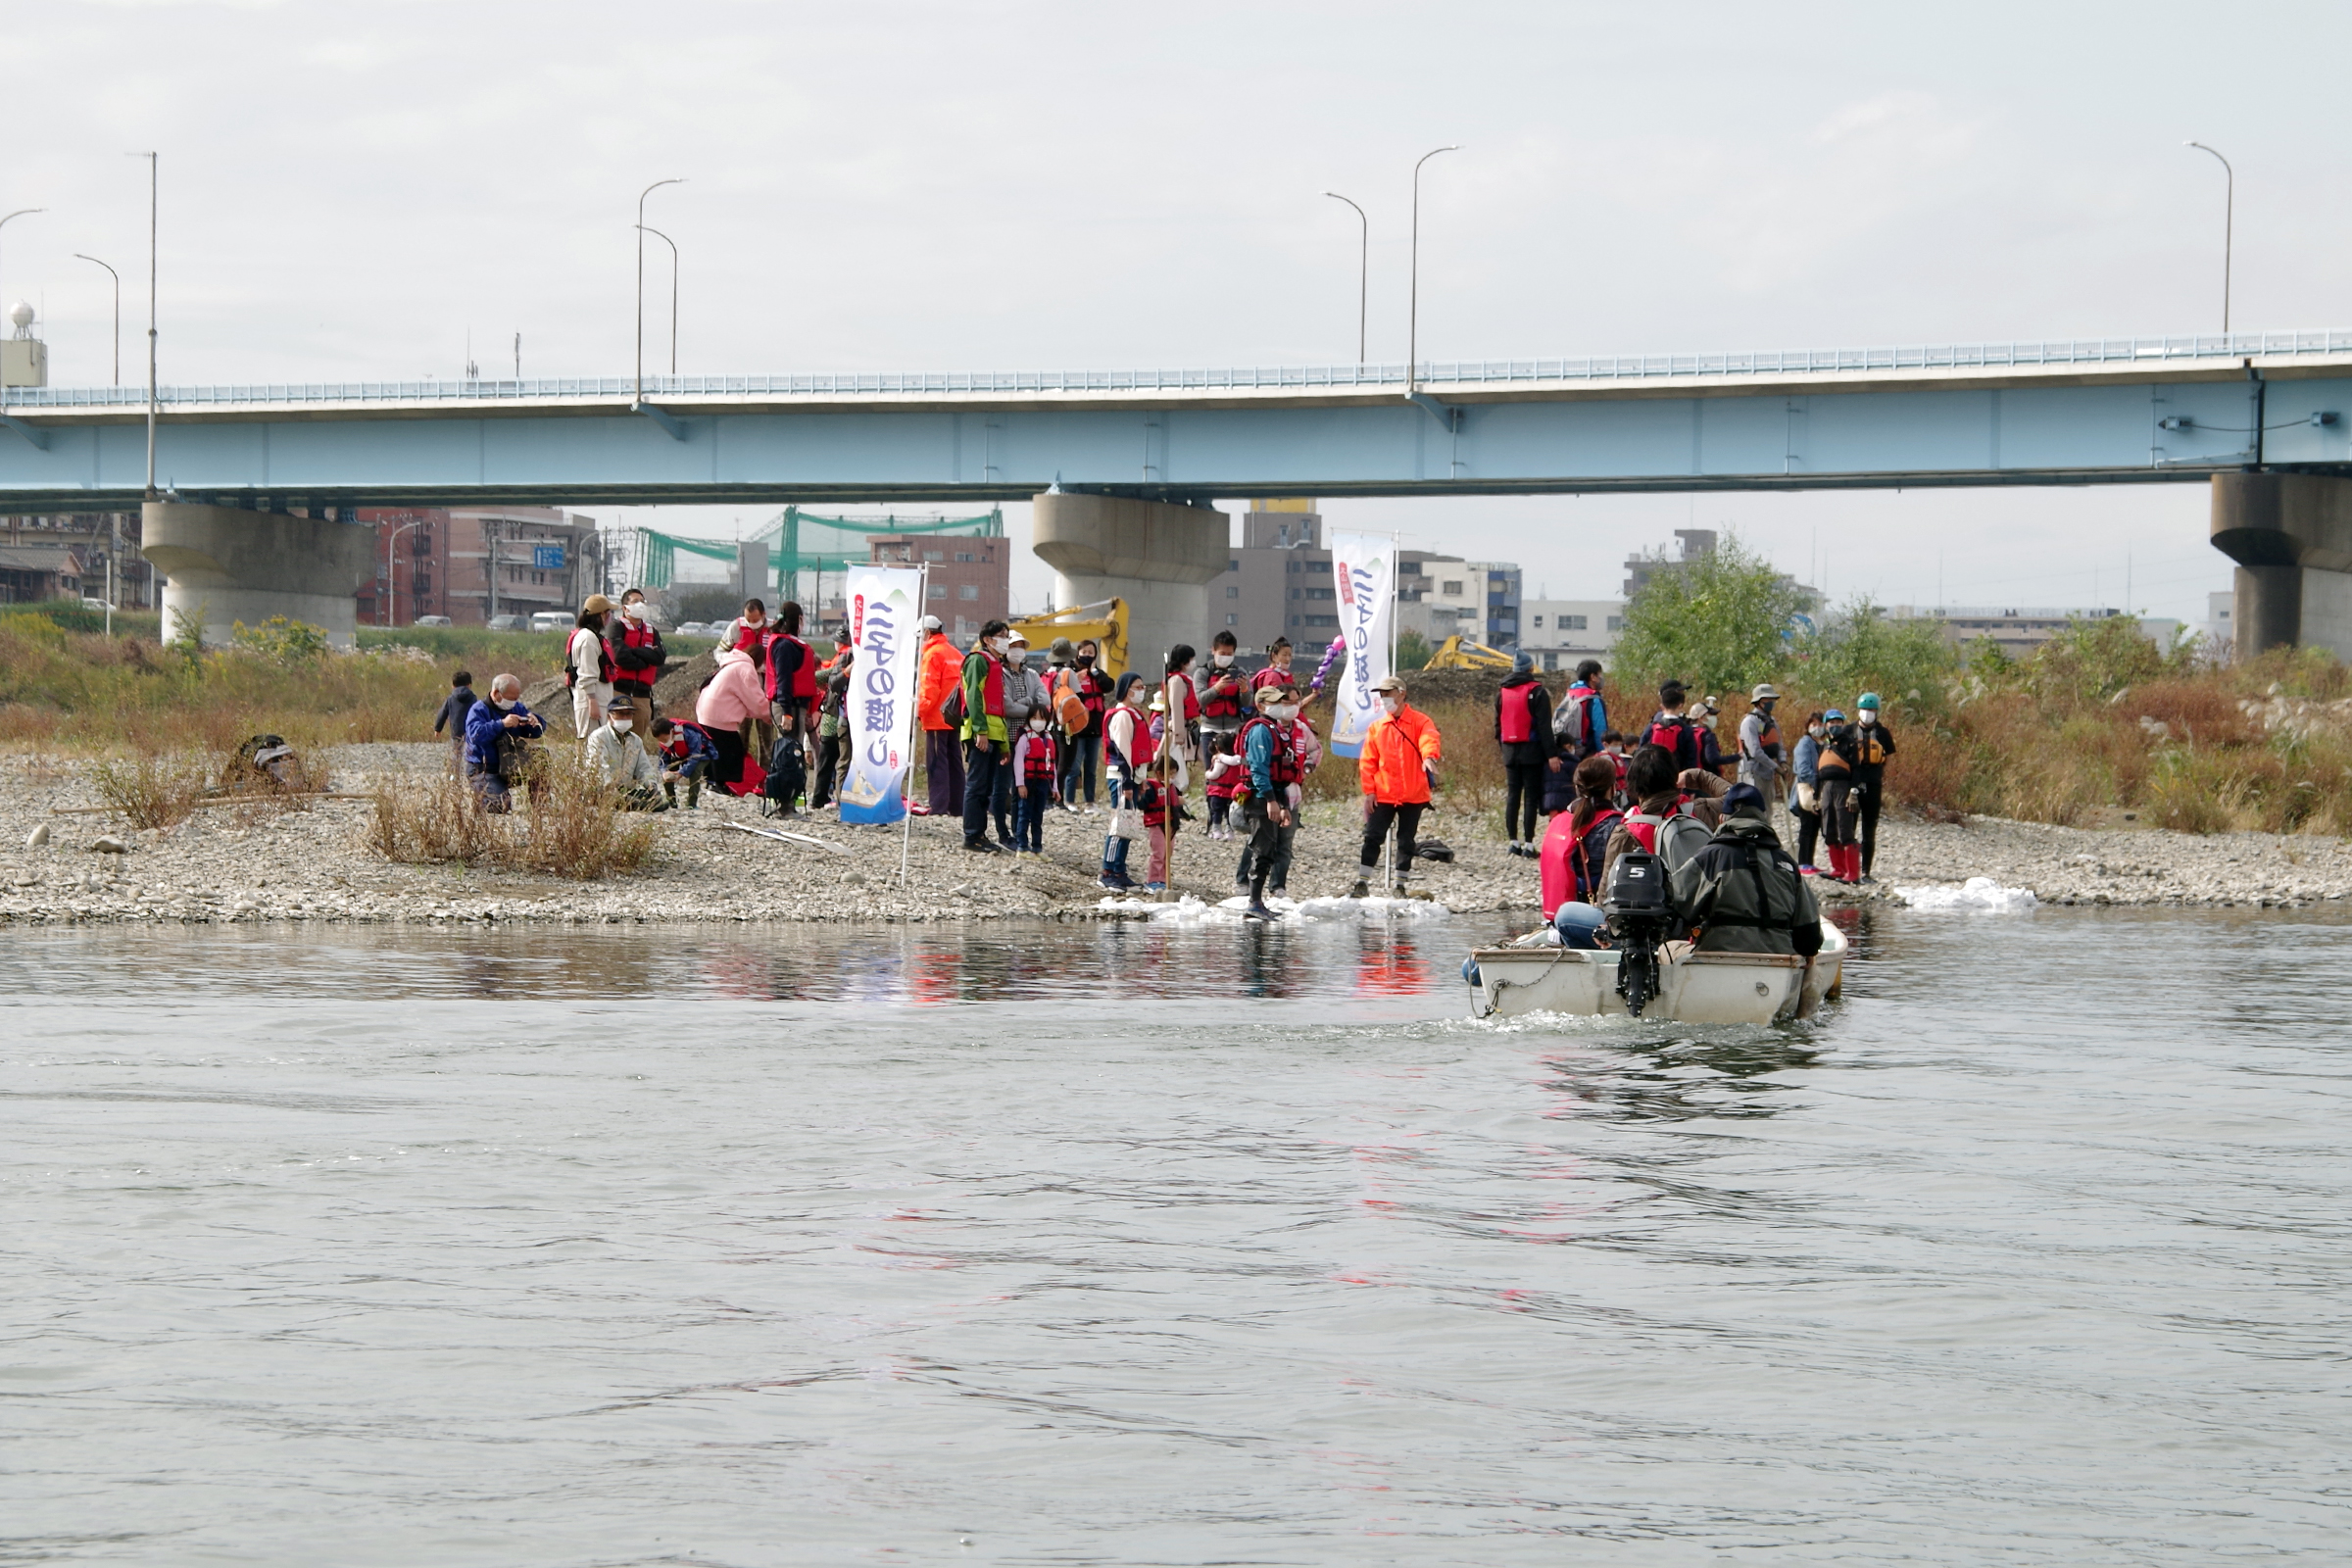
point(1189, 910)
point(1979, 895)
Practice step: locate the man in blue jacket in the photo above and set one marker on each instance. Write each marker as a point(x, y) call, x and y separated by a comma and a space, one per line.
point(494, 735)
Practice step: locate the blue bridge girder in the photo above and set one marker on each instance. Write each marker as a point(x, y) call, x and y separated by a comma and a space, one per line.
point(2093, 412)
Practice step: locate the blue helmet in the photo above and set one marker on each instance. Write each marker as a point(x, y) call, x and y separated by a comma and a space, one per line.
point(1836, 715)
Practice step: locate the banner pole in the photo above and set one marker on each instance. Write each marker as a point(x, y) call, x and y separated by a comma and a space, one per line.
point(915, 721)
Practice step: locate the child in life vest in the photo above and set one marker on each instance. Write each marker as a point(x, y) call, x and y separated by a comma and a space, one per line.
point(1036, 782)
point(1227, 772)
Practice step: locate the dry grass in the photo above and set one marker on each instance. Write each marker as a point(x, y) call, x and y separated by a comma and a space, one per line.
point(84, 693)
point(568, 827)
point(150, 791)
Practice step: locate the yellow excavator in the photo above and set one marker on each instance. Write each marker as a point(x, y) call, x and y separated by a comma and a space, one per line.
point(1105, 622)
point(1460, 653)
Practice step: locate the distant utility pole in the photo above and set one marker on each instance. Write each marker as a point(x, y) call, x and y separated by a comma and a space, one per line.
point(519, 356)
point(2229, 226)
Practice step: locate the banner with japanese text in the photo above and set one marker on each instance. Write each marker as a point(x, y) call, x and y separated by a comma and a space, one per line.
point(884, 605)
point(1363, 571)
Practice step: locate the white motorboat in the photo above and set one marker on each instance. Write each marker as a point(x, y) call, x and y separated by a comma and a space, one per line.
point(1710, 988)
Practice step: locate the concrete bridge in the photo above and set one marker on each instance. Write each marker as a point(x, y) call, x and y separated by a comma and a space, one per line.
point(1127, 462)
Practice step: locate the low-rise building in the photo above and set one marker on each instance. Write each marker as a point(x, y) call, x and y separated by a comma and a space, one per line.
point(472, 563)
point(64, 556)
point(967, 581)
point(1562, 633)
point(2018, 631)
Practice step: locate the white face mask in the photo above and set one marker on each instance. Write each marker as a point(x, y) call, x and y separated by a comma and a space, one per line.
point(1282, 712)
point(1038, 724)
point(1815, 730)
point(1223, 660)
point(634, 612)
point(1392, 702)
point(504, 704)
point(999, 644)
point(621, 726)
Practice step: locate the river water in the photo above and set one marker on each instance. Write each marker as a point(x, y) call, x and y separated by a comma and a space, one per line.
point(1066, 1245)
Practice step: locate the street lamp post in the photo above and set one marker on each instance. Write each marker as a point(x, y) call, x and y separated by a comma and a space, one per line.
point(2228, 225)
point(1412, 336)
point(641, 196)
point(674, 294)
point(118, 277)
point(152, 230)
point(391, 570)
point(1364, 276)
point(21, 212)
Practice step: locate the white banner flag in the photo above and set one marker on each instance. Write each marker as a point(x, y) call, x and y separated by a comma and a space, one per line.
point(1363, 568)
point(884, 603)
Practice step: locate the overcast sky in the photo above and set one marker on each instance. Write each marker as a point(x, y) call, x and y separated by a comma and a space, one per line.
point(349, 188)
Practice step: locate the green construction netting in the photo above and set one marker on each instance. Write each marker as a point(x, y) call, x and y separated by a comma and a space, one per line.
point(802, 542)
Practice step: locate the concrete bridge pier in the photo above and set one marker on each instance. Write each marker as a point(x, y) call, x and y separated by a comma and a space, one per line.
point(1158, 555)
point(2291, 537)
point(225, 565)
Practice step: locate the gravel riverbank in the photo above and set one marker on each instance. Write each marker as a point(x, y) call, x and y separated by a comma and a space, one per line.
point(237, 863)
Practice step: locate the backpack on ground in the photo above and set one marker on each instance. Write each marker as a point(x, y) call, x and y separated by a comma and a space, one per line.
point(786, 772)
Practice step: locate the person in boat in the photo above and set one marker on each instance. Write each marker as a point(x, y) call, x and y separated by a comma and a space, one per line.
point(1743, 892)
point(1659, 822)
point(1575, 847)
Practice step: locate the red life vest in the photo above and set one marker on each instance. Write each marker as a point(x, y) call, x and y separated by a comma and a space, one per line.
point(1192, 697)
point(604, 660)
point(1679, 736)
point(1221, 702)
point(1518, 718)
point(1037, 760)
point(1645, 829)
point(1284, 769)
point(804, 675)
point(1145, 747)
point(1094, 691)
point(637, 683)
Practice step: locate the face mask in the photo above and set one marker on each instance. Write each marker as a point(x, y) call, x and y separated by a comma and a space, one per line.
point(1038, 724)
point(1815, 730)
point(633, 612)
point(504, 704)
point(1282, 712)
point(1086, 661)
point(998, 645)
point(1223, 660)
point(621, 726)
point(1392, 702)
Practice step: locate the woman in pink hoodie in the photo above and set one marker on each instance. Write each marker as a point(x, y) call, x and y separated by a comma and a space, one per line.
point(735, 705)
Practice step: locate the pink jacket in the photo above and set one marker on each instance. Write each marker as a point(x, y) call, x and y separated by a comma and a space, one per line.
point(733, 695)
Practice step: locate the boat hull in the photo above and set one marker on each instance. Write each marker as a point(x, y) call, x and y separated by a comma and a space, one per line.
point(1701, 987)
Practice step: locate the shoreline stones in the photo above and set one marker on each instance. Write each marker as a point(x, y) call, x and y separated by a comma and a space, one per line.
point(313, 867)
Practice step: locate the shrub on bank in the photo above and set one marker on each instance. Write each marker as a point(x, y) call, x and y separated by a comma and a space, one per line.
point(568, 827)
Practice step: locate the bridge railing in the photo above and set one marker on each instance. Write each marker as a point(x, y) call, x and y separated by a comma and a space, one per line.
point(1334, 378)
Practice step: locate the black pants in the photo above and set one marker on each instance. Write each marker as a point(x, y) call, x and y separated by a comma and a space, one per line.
point(1268, 851)
point(1408, 821)
point(987, 788)
point(828, 770)
point(1523, 795)
point(1808, 833)
point(1836, 809)
point(1865, 805)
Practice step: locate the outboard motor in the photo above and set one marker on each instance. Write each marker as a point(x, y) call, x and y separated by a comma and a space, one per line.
point(1640, 917)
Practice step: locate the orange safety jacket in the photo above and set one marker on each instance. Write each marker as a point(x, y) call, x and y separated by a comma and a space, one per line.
point(1394, 750)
